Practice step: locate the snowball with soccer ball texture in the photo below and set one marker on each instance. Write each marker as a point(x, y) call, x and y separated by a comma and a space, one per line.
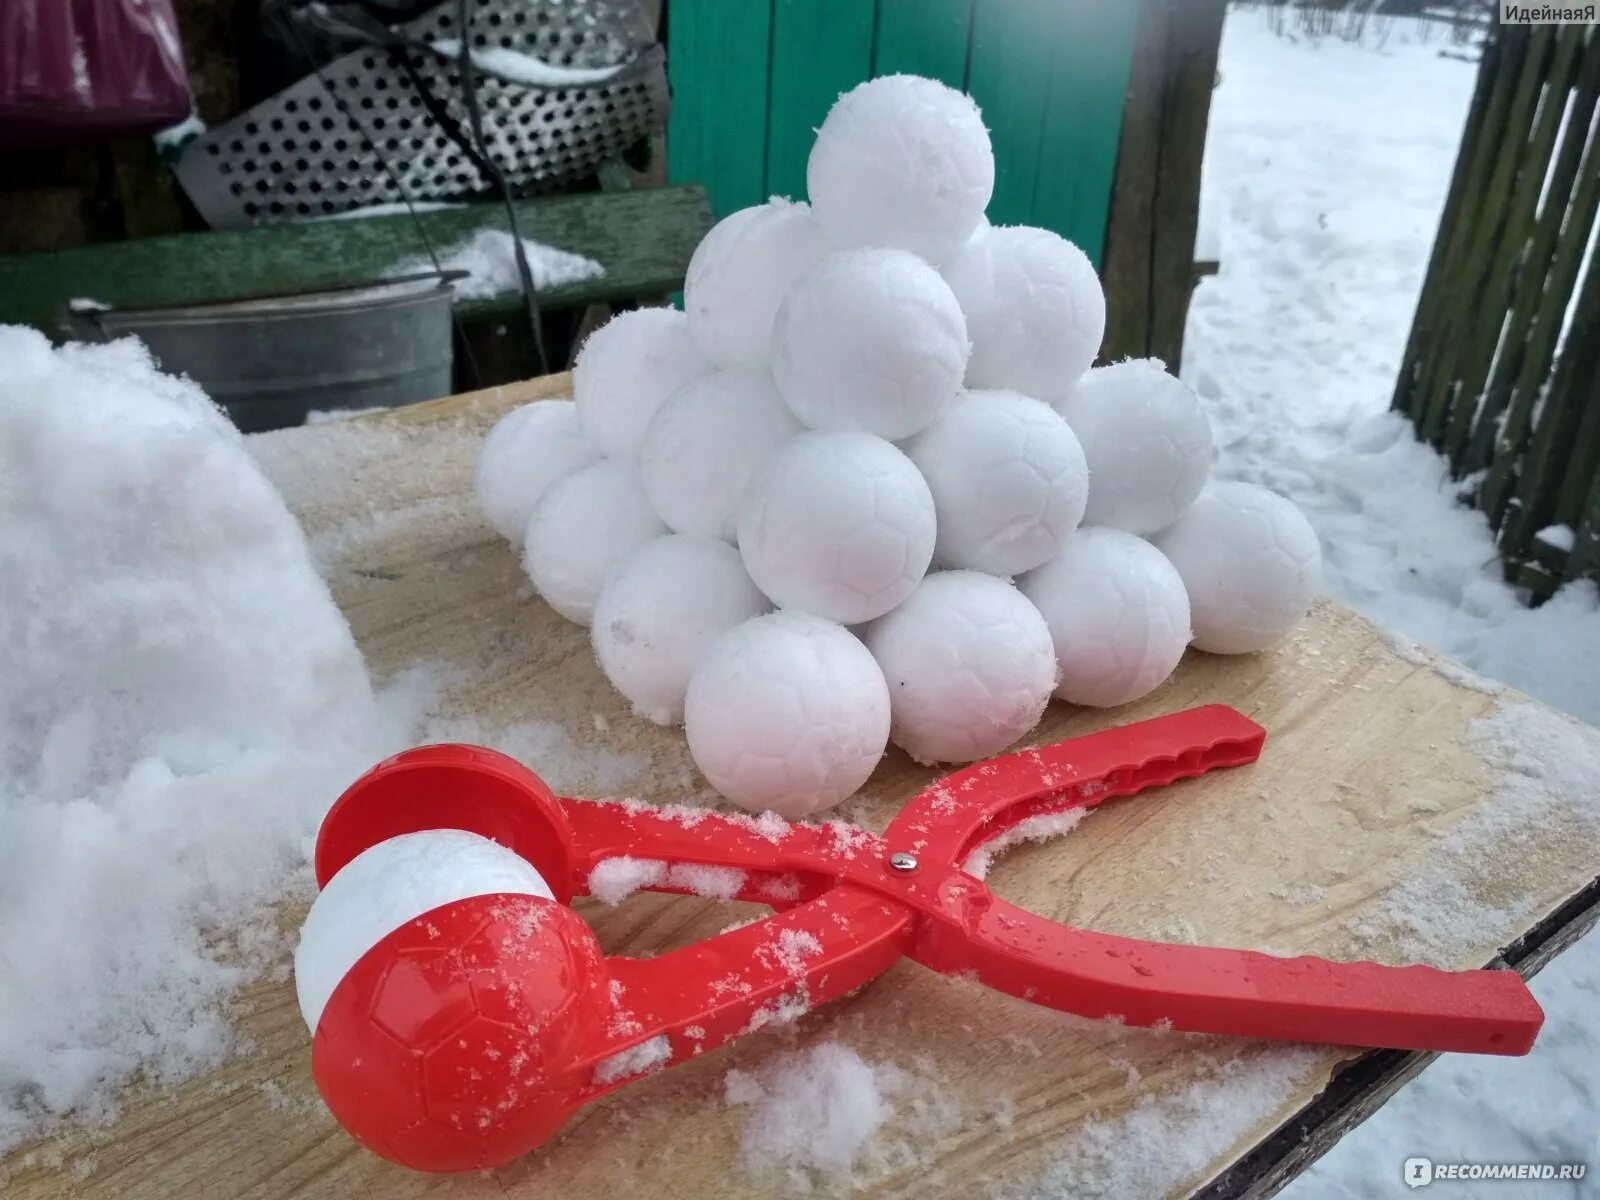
point(788, 713)
point(581, 529)
point(1117, 613)
point(740, 273)
point(528, 449)
point(1147, 442)
point(901, 161)
point(871, 340)
point(389, 884)
point(659, 612)
point(1034, 309)
point(840, 525)
point(626, 369)
point(1251, 564)
point(969, 663)
point(705, 444)
point(1008, 479)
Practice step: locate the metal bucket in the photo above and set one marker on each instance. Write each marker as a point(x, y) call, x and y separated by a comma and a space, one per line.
point(268, 360)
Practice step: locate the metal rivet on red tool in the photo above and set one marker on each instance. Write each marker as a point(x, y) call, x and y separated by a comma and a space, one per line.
point(902, 862)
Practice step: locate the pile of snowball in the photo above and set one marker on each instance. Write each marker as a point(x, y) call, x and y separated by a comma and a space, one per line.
point(866, 488)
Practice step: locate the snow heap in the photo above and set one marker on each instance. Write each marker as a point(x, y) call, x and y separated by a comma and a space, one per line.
point(180, 703)
point(489, 257)
point(861, 392)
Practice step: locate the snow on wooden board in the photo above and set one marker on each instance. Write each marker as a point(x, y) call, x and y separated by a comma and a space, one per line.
point(1396, 813)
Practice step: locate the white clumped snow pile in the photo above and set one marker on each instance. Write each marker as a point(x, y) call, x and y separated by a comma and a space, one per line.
point(180, 703)
point(490, 259)
point(811, 1110)
point(1325, 174)
point(1325, 205)
point(870, 389)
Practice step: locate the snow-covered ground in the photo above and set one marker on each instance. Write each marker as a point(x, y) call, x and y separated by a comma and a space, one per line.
point(1325, 172)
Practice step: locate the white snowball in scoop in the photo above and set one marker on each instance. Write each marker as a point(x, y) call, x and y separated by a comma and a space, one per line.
point(901, 161)
point(389, 884)
point(1008, 478)
point(1034, 308)
point(1147, 442)
point(740, 273)
point(1117, 613)
point(787, 712)
point(660, 611)
point(705, 444)
point(871, 340)
point(840, 525)
point(626, 369)
point(1251, 563)
point(969, 663)
point(527, 450)
point(582, 528)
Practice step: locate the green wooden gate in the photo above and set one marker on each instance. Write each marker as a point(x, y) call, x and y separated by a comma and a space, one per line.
point(1502, 369)
point(752, 80)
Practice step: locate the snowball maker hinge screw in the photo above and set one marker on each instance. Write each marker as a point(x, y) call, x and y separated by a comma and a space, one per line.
point(576, 1024)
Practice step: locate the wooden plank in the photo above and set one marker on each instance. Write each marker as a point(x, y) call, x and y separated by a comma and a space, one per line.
point(1092, 49)
point(1438, 311)
point(1519, 426)
point(717, 64)
point(820, 48)
point(1533, 276)
point(1453, 371)
point(1521, 246)
point(1367, 766)
point(1192, 50)
point(1149, 269)
point(1434, 284)
point(923, 37)
point(1128, 272)
point(643, 238)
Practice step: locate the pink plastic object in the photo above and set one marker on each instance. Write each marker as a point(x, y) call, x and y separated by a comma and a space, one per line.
point(469, 1035)
point(74, 69)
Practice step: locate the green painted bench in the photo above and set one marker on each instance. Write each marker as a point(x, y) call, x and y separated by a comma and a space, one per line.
point(643, 238)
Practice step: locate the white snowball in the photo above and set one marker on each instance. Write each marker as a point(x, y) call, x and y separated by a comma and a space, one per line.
point(581, 529)
point(1147, 442)
point(740, 273)
point(840, 525)
point(659, 612)
point(626, 369)
point(1008, 479)
point(527, 450)
point(386, 886)
point(787, 712)
point(871, 339)
point(1117, 613)
point(901, 161)
point(969, 663)
point(1251, 563)
point(1034, 309)
point(706, 443)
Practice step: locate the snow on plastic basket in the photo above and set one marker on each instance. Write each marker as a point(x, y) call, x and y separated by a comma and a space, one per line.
point(306, 152)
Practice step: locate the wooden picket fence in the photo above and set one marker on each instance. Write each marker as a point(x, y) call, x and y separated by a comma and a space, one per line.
point(1502, 369)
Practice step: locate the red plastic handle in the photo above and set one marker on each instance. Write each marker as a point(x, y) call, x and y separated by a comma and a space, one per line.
point(1241, 993)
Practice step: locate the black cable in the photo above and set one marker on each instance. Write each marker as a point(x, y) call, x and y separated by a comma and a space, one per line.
point(344, 107)
point(469, 89)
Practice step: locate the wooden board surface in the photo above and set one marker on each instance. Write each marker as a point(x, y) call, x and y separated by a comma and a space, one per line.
point(1363, 814)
